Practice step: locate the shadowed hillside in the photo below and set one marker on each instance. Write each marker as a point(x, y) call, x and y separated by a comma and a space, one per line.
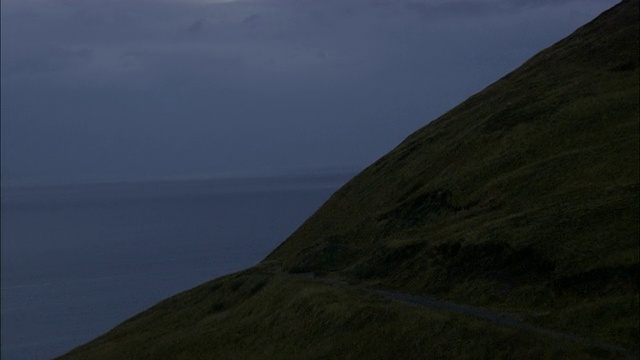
point(531, 182)
point(523, 202)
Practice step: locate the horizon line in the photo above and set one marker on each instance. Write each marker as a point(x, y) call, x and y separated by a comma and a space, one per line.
point(298, 172)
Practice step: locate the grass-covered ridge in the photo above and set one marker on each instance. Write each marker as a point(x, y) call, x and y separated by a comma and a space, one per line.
point(524, 200)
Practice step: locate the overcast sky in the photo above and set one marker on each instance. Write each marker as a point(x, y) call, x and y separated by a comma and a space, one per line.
point(96, 90)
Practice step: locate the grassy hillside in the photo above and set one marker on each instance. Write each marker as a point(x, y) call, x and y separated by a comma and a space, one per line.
point(524, 199)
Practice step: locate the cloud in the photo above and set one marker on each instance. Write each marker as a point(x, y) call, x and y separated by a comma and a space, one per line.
point(252, 19)
point(196, 27)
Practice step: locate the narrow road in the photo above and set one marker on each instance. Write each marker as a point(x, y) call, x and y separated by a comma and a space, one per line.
point(500, 319)
point(503, 319)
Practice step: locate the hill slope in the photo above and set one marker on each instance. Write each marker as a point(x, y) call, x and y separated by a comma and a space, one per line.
point(538, 172)
point(523, 200)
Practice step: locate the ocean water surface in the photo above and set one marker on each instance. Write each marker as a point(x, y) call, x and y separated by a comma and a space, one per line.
point(78, 260)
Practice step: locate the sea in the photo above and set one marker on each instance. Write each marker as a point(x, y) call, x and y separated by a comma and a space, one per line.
point(78, 260)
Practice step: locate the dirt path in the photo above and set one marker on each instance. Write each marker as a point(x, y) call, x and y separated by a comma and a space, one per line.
point(499, 318)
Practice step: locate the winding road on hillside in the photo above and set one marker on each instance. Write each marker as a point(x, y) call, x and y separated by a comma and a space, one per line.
point(499, 318)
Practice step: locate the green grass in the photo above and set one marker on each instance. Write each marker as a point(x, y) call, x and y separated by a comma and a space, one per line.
point(524, 198)
point(257, 316)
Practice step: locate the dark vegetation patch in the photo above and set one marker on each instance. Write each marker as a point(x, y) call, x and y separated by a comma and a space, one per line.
point(333, 255)
point(412, 191)
point(454, 262)
point(501, 261)
point(248, 286)
point(627, 66)
point(509, 265)
point(515, 114)
point(600, 281)
point(415, 211)
point(387, 260)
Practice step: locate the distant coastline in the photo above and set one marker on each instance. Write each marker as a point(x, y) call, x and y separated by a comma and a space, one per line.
point(255, 175)
point(175, 186)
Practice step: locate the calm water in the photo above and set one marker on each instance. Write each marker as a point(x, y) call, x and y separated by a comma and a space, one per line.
point(77, 261)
